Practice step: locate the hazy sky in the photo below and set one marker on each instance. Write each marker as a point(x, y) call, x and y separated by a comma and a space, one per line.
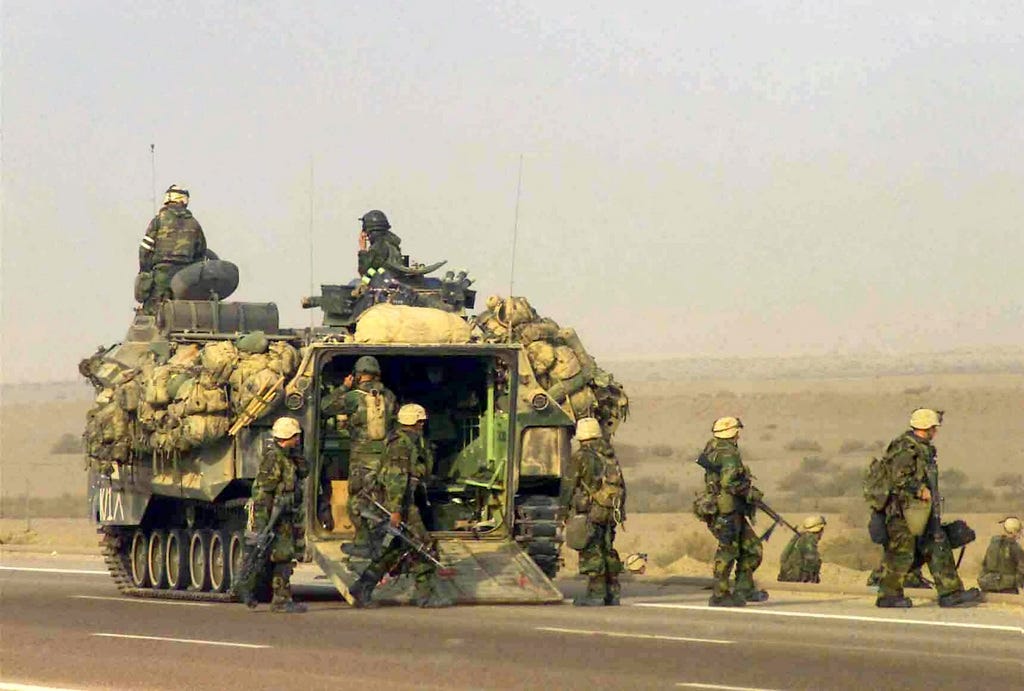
point(738, 178)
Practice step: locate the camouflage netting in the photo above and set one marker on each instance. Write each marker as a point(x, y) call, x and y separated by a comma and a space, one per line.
point(562, 365)
point(179, 401)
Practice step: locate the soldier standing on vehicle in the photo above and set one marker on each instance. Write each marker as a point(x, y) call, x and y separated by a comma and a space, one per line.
point(801, 561)
point(379, 248)
point(366, 408)
point(173, 240)
point(731, 483)
point(275, 486)
point(1003, 568)
point(595, 487)
point(913, 518)
point(404, 467)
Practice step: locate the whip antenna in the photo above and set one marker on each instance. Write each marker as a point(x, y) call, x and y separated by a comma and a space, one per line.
point(152, 173)
point(515, 238)
point(311, 195)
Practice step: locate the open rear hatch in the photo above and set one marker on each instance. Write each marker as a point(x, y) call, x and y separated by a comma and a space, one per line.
point(477, 572)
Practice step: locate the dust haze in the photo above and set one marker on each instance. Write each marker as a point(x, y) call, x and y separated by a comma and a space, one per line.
point(750, 180)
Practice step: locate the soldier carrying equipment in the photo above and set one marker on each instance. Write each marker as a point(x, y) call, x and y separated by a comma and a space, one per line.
point(800, 561)
point(903, 487)
point(594, 492)
point(1003, 568)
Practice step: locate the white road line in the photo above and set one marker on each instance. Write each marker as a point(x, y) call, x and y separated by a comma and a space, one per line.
point(10, 686)
point(649, 636)
point(696, 685)
point(196, 641)
point(142, 601)
point(841, 617)
point(41, 570)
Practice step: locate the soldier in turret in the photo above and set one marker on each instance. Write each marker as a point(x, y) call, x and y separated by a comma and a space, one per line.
point(595, 487)
point(731, 483)
point(404, 466)
point(379, 248)
point(276, 485)
point(366, 408)
point(173, 240)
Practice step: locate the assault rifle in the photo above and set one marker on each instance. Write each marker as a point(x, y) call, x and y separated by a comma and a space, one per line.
point(256, 557)
point(403, 533)
point(776, 520)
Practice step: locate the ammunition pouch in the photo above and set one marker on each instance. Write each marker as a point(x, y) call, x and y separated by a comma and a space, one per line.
point(577, 532)
point(143, 285)
point(705, 506)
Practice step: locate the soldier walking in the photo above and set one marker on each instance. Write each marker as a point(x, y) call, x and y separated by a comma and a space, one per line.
point(913, 518)
point(1003, 568)
point(404, 466)
point(730, 482)
point(275, 486)
point(173, 240)
point(366, 408)
point(595, 487)
point(801, 561)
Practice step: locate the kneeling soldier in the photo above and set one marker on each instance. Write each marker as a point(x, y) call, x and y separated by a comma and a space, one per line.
point(800, 561)
point(1003, 568)
point(405, 464)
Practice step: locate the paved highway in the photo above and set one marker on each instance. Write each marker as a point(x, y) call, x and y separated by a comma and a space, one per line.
point(63, 625)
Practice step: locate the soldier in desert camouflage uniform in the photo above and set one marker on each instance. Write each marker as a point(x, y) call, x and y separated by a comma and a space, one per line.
point(1003, 568)
point(173, 240)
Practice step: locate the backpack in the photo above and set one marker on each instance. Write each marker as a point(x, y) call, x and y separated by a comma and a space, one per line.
point(878, 482)
point(376, 414)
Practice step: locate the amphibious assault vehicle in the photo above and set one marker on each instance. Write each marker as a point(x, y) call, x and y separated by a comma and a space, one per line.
point(175, 439)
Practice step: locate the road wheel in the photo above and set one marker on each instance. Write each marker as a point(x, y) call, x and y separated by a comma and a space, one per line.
point(177, 559)
point(198, 560)
point(138, 559)
point(236, 554)
point(156, 558)
point(220, 571)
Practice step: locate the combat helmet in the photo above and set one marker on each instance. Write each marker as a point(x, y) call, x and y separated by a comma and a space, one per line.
point(285, 428)
point(925, 418)
point(176, 194)
point(814, 524)
point(367, 364)
point(726, 427)
point(374, 220)
point(411, 413)
point(1012, 525)
point(588, 428)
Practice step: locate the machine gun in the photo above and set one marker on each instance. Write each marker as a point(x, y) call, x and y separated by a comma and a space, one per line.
point(776, 520)
point(403, 533)
point(255, 558)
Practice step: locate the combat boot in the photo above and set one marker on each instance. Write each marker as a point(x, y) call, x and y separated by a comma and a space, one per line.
point(754, 595)
point(894, 601)
point(362, 591)
point(288, 607)
point(727, 600)
point(962, 598)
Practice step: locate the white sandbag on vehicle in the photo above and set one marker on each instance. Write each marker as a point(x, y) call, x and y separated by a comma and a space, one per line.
point(385, 323)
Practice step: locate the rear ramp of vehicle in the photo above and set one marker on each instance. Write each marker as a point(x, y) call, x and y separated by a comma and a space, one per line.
point(476, 572)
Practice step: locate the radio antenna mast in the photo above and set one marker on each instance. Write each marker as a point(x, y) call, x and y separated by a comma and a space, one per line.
point(515, 229)
point(152, 173)
point(311, 196)
point(515, 239)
